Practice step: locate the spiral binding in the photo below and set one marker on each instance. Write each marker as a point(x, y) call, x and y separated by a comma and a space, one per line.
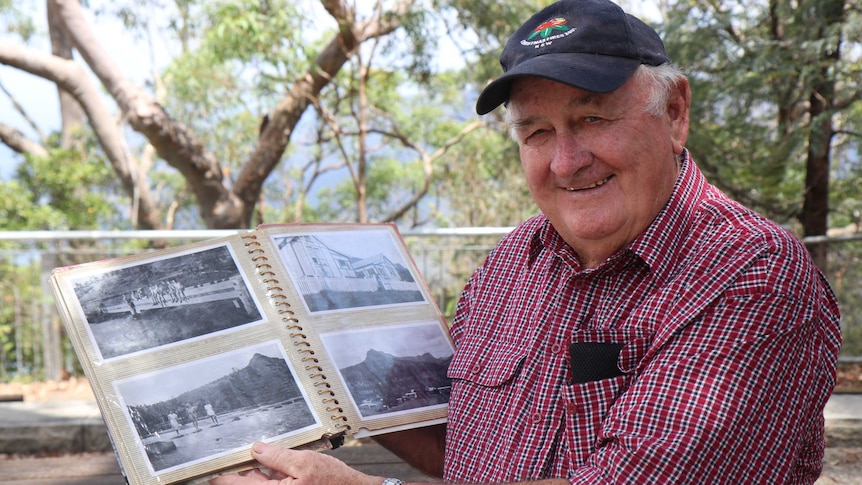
point(288, 317)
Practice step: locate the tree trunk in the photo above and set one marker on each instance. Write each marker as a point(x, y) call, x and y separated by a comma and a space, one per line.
point(72, 117)
point(815, 209)
point(221, 205)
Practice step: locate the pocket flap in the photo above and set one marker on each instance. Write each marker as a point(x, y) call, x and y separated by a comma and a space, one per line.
point(487, 363)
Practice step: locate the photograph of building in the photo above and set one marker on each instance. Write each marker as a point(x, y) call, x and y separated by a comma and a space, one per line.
point(370, 273)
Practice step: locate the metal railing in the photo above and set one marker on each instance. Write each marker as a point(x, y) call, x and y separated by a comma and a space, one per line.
point(33, 344)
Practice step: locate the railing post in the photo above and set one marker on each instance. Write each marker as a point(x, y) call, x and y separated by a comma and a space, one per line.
point(52, 353)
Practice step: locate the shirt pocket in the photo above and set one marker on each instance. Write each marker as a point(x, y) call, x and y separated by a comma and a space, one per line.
point(488, 363)
point(588, 402)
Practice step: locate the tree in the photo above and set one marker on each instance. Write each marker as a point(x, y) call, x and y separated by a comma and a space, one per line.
point(222, 203)
point(775, 95)
point(248, 73)
point(390, 141)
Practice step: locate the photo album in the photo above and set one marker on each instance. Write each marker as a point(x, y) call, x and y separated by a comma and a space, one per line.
point(295, 334)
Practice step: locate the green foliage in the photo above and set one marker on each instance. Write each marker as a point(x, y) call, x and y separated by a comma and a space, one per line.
point(484, 28)
point(67, 189)
point(410, 112)
point(19, 212)
point(487, 183)
point(19, 334)
point(264, 32)
point(752, 71)
point(755, 68)
point(243, 54)
point(42, 196)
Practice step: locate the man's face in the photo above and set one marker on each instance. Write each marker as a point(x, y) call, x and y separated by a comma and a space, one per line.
point(599, 166)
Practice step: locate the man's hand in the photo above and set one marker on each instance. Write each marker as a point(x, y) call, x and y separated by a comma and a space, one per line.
point(284, 466)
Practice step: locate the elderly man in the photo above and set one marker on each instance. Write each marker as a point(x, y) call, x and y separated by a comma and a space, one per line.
point(644, 328)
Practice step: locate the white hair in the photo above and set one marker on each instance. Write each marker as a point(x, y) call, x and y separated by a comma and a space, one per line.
point(664, 79)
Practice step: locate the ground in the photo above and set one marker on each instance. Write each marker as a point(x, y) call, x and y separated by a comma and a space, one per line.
point(77, 388)
point(841, 466)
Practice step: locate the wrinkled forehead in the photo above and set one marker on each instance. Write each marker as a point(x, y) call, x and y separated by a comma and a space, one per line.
point(527, 91)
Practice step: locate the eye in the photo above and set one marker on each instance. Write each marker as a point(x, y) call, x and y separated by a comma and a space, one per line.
point(536, 136)
point(592, 119)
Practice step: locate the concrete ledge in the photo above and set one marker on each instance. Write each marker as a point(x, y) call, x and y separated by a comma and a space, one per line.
point(843, 433)
point(62, 427)
point(77, 427)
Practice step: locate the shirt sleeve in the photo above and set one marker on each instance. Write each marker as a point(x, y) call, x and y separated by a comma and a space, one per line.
point(736, 397)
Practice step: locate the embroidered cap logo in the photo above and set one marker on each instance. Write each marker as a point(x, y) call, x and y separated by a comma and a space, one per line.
point(547, 28)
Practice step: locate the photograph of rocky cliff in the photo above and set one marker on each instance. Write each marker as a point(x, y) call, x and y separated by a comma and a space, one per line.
point(212, 407)
point(383, 376)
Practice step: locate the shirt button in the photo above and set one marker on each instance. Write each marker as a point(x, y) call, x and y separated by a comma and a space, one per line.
point(536, 418)
point(556, 348)
point(571, 408)
point(476, 368)
point(580, 284)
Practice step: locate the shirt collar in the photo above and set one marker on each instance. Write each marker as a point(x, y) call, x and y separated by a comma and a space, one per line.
point(660, 244)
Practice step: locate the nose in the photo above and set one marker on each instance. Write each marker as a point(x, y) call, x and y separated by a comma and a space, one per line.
point(570, 155)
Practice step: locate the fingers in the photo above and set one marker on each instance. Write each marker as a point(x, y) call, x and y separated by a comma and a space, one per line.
point(249, 477)
point(283, 465)
point(274, 460)
point(275, 457)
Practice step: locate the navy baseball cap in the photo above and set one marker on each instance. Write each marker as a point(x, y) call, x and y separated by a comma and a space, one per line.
point(589, 44)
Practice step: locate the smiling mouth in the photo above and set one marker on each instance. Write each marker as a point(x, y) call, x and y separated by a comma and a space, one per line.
point(591, 186)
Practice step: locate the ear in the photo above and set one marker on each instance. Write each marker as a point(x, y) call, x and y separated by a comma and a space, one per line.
point(678, 108)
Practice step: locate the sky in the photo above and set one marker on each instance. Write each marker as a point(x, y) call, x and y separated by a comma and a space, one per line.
point(351, 347)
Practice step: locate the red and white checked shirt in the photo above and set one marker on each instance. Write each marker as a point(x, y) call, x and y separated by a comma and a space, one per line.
point(731, 336)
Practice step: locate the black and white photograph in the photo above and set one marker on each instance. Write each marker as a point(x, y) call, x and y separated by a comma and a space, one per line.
point(211, 407)
point(393, 369)
point(342, 270)
point(164, 301)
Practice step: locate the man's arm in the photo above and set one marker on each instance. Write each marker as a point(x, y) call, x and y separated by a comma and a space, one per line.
point(422, 448)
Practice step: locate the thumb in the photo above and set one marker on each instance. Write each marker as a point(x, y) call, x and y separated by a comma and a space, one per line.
point(275, 458)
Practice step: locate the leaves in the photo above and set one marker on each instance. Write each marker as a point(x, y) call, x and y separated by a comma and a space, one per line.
point(753, 69)
point(43, 197)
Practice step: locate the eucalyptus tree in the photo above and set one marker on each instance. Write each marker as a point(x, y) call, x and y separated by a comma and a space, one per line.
point(776, 89)
point(233, 98)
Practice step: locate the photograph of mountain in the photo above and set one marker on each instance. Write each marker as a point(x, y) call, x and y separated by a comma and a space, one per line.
point(383, 377)
point(214, 406)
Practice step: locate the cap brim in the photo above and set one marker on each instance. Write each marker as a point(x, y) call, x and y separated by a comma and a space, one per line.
point(590, 72)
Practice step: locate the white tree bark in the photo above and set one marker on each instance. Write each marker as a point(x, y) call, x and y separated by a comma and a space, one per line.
point(221, 205)
point(73, 79)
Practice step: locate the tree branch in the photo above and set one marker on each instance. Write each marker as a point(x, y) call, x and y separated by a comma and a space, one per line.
point(428, 166)
point(851, 133)
point(21, 111)
point(276, 136)
point(173, 141)
point(69, 76)
point(71, 115)
point(18, 142)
